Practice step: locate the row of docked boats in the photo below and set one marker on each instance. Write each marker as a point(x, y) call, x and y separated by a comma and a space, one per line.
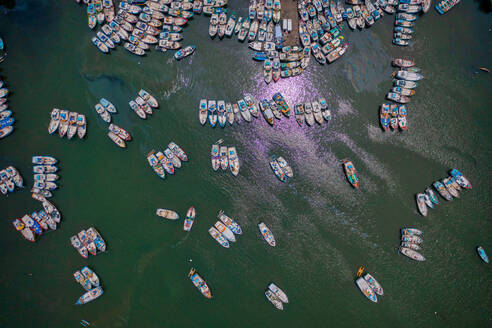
point(224, 229)
point(368, 285)
point(448, 188)
point(244, 27)
point(34, 224)
point(276, 296)
point(224, 157)
point(67, 123)
point(89, 280)
point(281, 168)
point(6, 119)
point(444, 6)
point(408, 11)
point(99, 11)
point(44, 175)
point(411, 238)
point(393, 116)
point(366, 13)
point(10, 178)
point(310, 112)
point(167, 161)
point(143, 104)
point(118, 135)
point(403, 89)
point(88, 241)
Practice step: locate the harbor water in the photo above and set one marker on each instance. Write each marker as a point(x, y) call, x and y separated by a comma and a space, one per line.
point(324, 229)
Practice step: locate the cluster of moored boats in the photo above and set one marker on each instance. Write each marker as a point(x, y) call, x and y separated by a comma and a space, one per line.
point(405, 81)
point(448, 188)
point(394, 116)
point(411, 238)
point(224, 229)
point(276, 296)
point(6, 119)
point(44, 175)
point(444, 6)
point(89, 280)
point(167, 161)
point(281, 168)
point(88, 241)
point(368, 285)
point(98, 11)
point(310, 112)
point(10, 178)
point(224, 157)
point(32, 225)
point(67, 123)
point(408, 11)
point(143, 104)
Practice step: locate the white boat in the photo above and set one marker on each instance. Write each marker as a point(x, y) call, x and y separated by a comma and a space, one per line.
point(274, 299)
point(412, 254)
point(218, 237)
point(117, 140)
point(285, 167)
point(168, 214)
point(267, 234)
point(215, 157)
point(233, 160)
point(225, 231)
point(55, 120)
point(203, 111)
point(81, 126)
point(224, 161)
point(374, 284)
point(366, 289)
point(278, 292)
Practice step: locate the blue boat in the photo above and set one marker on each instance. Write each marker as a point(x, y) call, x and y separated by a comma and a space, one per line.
point(260, 56)
point(482, 254)
point(1, 44)
point(6, 122)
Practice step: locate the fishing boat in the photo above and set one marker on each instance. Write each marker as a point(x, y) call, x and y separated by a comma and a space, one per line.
point(137, 109)
point(45, 185)
point(224, 162)
point(23, 230)
point(90, 275)
point(221, 113)
point(190, 218)
point(144, 105)
point(374, 284)
point(431, 195)
point(229, 113)
point(108, 106)
point(180, 54)
point(403, 91)
point(120, 132)
point(44, 169)
point(155, 164)
point(166, 163)
point(397, 98)
point(284, 166)
point(405, 84)
point(230, 223)
point(72, 121)
point(116, 139)
point(83, 281)
point(366, 289)
point(411, 239)
point(449, 187)
point(215, 157)
point(55, 120)
point(212, 113)
point(414, 255)
point(199, 283)
point(279, 293)
point(225, 231)
point(251, 103)
point(218, 237)
point(90, 296)
point(442, 190)
point(77, 244)
point(351, 173)
point(308, 110)
point(409, 245)
point(100, 45)
point(176, 162)
point(233, 160)
point(45, 160)
point(178, 151)
point(102, 113)
point(267, 234)
point(203, 111)
point(168, 214)
point(134, 49)
point(243, 108)
point(460, 179)
point(299, 113)
point(409, 76)
point(96, 238)
point(277, 169)
point(63, 126)
point(81, 126)
point(482, 254)
point(274, 299)
point(421, 204)
point(411, 231)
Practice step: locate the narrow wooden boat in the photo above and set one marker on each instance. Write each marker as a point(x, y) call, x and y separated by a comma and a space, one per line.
point(274, 299)
point(168, 214)
point(55, 120)
point(81, 126)
point(218, 237)
point(117, 140)
point(366, 289)
point(199, 283)
point(230, 223)
point(90, 296)
point(351, 173)
point(267, 234)
point(120, 132)
point(414, 255)
point(190, 219)
point(374, 284)
point(279, 293)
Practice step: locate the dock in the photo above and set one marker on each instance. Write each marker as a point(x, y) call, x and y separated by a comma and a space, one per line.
point(289, 11)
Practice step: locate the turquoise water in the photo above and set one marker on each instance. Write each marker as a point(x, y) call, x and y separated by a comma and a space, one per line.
point(324, 229)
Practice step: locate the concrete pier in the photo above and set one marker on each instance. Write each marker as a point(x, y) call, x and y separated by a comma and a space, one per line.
point(289, 11)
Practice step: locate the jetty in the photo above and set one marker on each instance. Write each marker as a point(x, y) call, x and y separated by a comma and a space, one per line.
point(289, 11)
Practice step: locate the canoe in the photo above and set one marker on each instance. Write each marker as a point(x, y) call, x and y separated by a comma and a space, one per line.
point(203, 111)
point(267, 234)
point(366, 289)
point(90, 275)
point(230, 223)
point(225, 231)
point(218, 237)
point(81, 126)
point(190, 219)
point(279, 293)
point(90, 296)
point(168, 214)
point(117, 140)
point(274, 299)
point(421, 204)
point(351, 173)
point(414, 255)
point(482, 254)
point(55, 120)
point(374, 284)
point(199, 283)
point(411, 231)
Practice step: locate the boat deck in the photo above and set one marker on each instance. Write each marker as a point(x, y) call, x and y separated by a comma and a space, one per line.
point(289, 11)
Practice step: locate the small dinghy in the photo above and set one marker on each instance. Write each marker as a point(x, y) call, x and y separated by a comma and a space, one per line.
point(230, 223)
point(278, 292)
point(225, 231)
point(218, 237)
point(374, 284)
point(366, 289)
point(199, 283)
point(274, 299)
point(190, 218)
point(414, 255)
point(267, 234)
point(90, 296)
point(482, 254)
point(117, 140)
